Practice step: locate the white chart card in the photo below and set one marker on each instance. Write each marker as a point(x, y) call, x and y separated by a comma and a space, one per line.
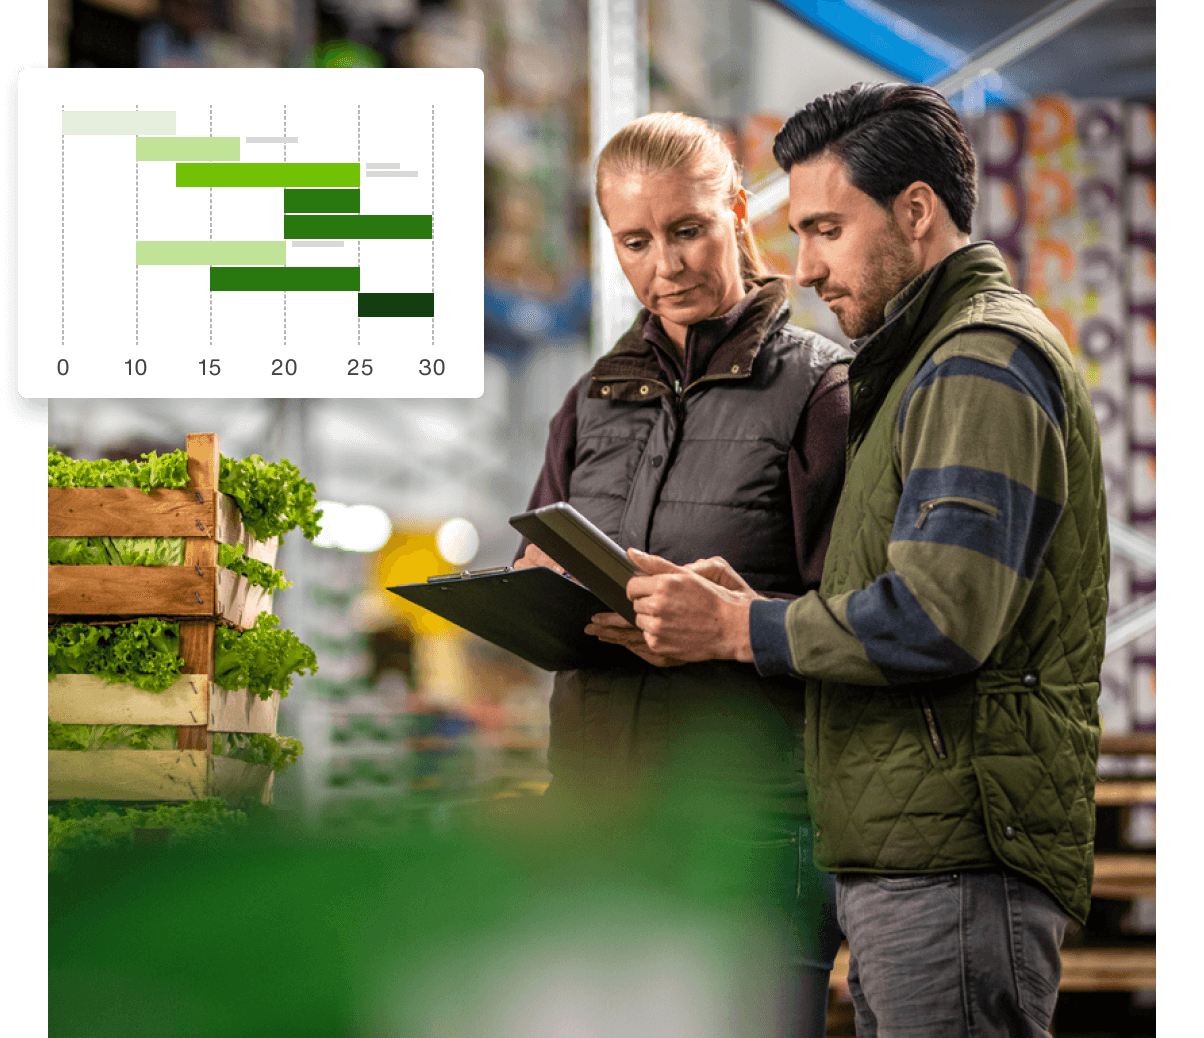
point(250, 232)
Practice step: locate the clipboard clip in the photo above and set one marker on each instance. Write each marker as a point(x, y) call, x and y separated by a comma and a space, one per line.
point(442, 578)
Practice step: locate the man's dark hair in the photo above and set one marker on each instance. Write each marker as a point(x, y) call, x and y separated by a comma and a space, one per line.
point(887, 135)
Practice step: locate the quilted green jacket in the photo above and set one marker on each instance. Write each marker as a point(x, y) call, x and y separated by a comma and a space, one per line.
point(953, 650)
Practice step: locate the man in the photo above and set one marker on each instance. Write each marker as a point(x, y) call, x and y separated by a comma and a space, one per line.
point(953, 650)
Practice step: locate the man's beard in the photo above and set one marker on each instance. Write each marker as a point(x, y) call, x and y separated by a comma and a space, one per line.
point(888, 268)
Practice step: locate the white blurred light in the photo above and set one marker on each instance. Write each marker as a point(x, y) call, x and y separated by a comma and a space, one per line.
point(365, 528)
point(360, 528)
point(331, 513)
point(458, 541)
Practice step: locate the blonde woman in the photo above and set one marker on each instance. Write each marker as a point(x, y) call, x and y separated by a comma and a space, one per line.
point(714, 427)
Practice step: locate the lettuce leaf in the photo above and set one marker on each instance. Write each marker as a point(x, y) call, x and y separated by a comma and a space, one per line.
point(110, 736)
point(144, 653)
point(261, 659)
point(279, 752)
point(156, 551)
point(78, 824)
point(273, 496)
point(170, 470)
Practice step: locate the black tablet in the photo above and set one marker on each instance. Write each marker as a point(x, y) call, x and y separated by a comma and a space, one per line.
point(583, 550)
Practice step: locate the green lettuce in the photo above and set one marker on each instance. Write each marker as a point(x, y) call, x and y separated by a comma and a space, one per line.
point(279, 752)
point(170, 470)
point(261, 659)
point(144, 653)
point(272, 496)
point(157, 551)
point(78, 824)
point(110, 736)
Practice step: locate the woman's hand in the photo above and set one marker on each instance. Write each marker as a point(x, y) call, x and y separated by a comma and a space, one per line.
point(534, 556)
point(611, 627)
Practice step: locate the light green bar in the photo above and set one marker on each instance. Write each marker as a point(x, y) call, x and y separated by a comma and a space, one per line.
point(172, 149)
point(205, 253)
point(119, 122)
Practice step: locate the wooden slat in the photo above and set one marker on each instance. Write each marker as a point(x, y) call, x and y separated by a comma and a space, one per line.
point(1108, 969)
point(128, 512)
point(1083, 969)
point(240, 601)
point(230, 530)
point(87, 699)
point(132, 590)
point(128, 774)
point(238, 782)
point(1124, 876)
point(196, 636)
point(1135, 744)
point(239, 711)
point(1123, 793)
point(155, 590)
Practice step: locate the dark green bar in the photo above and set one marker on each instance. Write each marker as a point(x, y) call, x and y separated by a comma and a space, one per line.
point(320, 200)
point(397, 304)
point(357, 227)
point(267, 174)
point(284, 279)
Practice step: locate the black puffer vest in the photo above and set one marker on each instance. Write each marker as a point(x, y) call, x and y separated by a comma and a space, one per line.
point(687, 473)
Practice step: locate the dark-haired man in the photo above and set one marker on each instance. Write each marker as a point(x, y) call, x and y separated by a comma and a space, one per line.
point(953, 650)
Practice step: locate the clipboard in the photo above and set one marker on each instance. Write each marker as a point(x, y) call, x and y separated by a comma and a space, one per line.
point(535, 613)
point(583, 550)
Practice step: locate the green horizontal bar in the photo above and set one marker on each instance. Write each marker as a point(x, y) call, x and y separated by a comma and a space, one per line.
point(172, 149)
point(320, 200)
point(397, 304)
point(284, 279)
point(268, 174)
point(360, 226)
point(157, 253)
point(114, 123)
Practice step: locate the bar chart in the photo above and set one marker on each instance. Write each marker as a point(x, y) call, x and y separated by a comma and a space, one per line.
point(250, 232)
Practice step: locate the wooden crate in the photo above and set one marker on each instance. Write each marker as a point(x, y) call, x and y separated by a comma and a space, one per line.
point(197, 594)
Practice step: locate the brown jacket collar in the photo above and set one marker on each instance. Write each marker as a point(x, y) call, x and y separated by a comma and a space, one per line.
point(632, 371)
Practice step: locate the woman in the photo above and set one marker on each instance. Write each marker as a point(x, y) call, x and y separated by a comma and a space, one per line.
point(713, 428)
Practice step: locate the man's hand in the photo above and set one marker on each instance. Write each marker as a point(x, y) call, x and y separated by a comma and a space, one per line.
point(719, 571)
point(691, 614)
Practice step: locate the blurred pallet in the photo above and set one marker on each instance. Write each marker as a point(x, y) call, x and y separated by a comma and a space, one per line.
point(1108, 969)
point(1083, 969)
point(1124, 876)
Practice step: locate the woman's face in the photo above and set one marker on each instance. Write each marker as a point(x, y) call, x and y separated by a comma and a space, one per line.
point(676, 242)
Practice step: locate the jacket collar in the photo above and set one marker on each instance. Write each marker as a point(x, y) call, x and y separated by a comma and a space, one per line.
point(634, 371)
point(923, 301)
point(911, 316)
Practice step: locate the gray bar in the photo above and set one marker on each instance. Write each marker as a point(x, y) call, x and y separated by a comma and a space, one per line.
point(270, 140)
point(391, 173)
point(318, 244)
point(383, 165)
point(124, 123)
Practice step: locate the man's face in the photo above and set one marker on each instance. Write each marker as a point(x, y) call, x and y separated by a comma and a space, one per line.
point(851, 250)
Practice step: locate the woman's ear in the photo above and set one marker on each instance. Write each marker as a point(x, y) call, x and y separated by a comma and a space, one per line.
point(740, 206)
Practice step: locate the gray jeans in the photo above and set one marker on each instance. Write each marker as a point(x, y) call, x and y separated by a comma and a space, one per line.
point(951, 955)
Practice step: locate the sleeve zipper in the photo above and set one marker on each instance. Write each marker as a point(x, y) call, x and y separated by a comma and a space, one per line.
point(926, 507)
